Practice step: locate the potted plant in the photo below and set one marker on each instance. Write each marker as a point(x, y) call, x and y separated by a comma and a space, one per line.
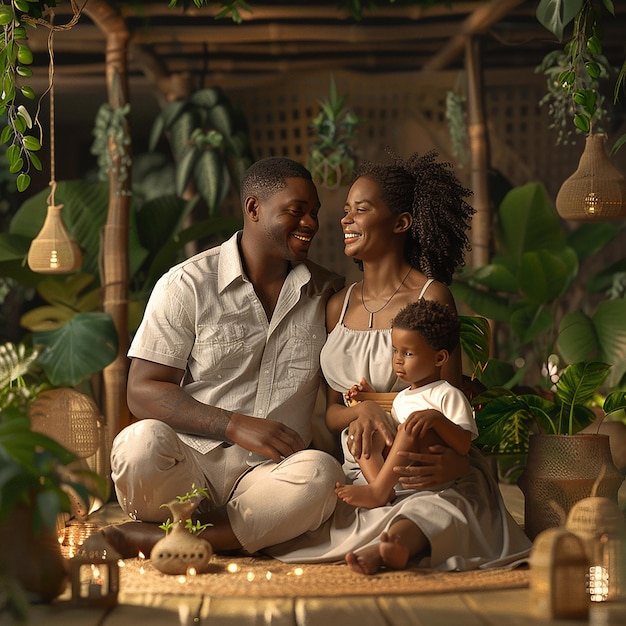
point(563, 465)
point(38, 481)
point(332, 152)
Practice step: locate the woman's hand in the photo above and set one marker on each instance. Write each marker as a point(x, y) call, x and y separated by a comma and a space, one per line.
point(422, 471)
point(371, 418)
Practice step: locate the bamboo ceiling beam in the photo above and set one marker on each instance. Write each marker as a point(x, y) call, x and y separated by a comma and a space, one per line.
point(477, 23)
point(160, 9)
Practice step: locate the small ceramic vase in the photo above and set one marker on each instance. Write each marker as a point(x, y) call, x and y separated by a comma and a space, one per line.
point(180, 550)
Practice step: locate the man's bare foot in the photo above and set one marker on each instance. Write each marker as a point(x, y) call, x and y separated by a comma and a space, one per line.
point(363, 495)
point(390, 552)
point(130, 538)
point(393, 552)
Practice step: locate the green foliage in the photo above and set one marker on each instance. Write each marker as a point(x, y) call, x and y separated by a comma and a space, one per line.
point(196, 493)
point(33, 467)
point(574, 73)
point(506, 419)
point(526, 285)
point(209, 141)
point(111, 140)
point(457, 126)
point(15, 58)
point(82, 346)
point(475, 340)
point(332, 152)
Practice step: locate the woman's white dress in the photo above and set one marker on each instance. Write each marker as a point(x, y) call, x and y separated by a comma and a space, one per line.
point(467, 523)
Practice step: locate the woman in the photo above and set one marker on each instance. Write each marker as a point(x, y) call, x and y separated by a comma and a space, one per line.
point(405, 224)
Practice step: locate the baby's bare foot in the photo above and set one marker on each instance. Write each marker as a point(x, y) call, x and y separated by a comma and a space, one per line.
point(362, 495)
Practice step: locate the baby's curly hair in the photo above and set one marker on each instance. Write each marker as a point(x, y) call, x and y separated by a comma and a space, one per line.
point(433, 195)
point(437, 323)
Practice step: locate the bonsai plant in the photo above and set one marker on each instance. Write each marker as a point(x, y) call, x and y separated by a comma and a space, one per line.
point(182, 549)
point(38, 480)
point(332, 153)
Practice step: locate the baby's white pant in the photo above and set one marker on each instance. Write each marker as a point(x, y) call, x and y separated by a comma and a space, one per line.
point(266, 504)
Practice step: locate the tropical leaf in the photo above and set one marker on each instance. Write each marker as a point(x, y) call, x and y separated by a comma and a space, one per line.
point(555, 15)
point(84, 345)
point(528, 222)
point(579, 381)
point(601, 336)
point(481, 302)
point(476, 339)
point(545, 276)
point(210, 174)
point(615, 401)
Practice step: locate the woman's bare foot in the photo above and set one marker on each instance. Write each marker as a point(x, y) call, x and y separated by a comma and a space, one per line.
point(393, 552)
point(366, 561)
point(130, 538)
point(390, 552)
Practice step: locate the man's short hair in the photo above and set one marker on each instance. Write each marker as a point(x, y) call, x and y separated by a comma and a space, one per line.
point(267, 176)
point(437, 323)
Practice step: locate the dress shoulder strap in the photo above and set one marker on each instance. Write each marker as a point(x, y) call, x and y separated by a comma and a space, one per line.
point(425, 287)
point(345, 303)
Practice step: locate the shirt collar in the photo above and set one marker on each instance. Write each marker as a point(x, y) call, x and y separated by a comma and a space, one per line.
point(230, 266)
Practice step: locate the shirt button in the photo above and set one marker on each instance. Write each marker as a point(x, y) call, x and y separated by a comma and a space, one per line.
point(266, 372)
point(314, 336)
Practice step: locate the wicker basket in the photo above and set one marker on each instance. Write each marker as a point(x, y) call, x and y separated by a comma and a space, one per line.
point(385, 400)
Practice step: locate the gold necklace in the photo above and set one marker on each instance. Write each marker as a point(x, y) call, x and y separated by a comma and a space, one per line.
point(371, 322)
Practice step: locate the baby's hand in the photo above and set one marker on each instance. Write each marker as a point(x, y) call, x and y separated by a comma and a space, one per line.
point(420, 422)
point(352, 394)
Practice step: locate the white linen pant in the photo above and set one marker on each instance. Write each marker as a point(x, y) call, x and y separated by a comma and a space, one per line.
point(266, 504)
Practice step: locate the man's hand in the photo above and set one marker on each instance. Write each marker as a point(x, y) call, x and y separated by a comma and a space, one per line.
point(422, 471)
point(268, 437)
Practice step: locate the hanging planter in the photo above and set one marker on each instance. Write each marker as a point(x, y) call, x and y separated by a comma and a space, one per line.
point(596, 190)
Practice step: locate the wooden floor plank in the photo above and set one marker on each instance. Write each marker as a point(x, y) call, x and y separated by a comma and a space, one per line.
point(58, 614)
point(344, 611)
point(248, 612)
point(175, 612)
point(508, 606)
point(427, 610)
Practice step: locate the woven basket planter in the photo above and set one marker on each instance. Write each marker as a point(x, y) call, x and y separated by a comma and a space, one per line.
point(560, 471)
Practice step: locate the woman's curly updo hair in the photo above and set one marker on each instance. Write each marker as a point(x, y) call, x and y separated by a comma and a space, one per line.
point(437, 323)
point(433, 195)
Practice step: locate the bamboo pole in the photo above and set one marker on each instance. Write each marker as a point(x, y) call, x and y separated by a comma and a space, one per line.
point(479, 155)
point(114, 249)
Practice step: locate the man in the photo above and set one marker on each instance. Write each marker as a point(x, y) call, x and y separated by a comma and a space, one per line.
point(224, 377)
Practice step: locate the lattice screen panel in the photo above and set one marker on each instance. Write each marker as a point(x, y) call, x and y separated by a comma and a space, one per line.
point(406, 112)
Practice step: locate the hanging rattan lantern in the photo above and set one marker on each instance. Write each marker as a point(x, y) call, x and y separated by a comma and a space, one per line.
point(53, 251)
point(596, 190)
